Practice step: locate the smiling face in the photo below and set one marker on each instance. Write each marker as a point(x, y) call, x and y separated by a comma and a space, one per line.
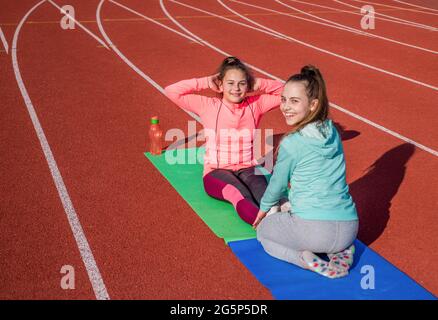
point(295, 104)
point(234, 86)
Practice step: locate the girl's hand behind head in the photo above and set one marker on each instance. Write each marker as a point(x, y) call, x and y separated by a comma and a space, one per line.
point(213, 83)
point(256, 85)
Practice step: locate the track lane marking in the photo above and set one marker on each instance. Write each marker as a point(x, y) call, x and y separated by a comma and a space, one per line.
point(80, 25)
point(4, 41)
point(267, 30)
point(81, 241)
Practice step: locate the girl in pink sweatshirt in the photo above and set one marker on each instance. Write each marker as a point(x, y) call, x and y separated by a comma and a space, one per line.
point(229, 124)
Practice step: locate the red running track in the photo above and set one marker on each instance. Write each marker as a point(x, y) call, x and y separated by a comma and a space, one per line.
point(146, 240)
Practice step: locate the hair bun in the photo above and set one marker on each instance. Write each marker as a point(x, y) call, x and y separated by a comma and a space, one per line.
point(309, 71)
point(232, 61)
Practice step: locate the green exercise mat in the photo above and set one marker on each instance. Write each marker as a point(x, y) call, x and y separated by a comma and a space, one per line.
point(186, 177)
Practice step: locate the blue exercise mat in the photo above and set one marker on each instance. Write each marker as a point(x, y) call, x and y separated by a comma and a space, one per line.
point(287, 281)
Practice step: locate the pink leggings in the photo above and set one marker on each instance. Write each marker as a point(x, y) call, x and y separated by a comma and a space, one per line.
point(243, 188)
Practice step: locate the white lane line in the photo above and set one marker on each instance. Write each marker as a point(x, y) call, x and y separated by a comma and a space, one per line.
point(335, 106)
point(129, 62)
point(290, 15)
point(395, 7)
point(354, 30)
point(226, 54)
point(154, 21)
point(80, 25)
point(75, 225)
point(389, 131)
point(227, 19)
point(5, 43)
point(355, 13)
point(274, 32)
point(415, 5)
point(414, 24)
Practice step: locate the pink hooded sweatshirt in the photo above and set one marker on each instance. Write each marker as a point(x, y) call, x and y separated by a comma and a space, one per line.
point(228, 128)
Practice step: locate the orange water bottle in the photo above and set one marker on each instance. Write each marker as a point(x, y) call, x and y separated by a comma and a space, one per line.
point(155, 136)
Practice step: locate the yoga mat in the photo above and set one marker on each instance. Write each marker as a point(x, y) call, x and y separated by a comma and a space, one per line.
point(186, 178)
point(287, 281)
point(284, 280)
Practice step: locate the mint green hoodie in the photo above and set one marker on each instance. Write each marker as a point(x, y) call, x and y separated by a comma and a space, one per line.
point(312, 160)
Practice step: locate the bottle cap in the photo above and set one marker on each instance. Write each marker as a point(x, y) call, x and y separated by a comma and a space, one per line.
point(154, 120)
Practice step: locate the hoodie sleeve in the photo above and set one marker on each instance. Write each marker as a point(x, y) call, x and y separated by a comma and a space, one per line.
point(182, 94)
point(271, 96)
point(284, 166)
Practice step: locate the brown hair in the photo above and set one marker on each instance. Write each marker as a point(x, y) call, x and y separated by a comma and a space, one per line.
point(230, 63)
point(314, 83)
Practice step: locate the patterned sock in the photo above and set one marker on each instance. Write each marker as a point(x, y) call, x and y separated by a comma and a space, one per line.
point(343, 259)
point(314, 263)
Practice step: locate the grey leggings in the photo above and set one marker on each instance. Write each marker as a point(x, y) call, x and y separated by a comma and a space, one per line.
point(285, 236)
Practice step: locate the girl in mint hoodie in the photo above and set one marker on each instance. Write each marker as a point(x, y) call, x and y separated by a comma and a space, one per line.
point(310, 158)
